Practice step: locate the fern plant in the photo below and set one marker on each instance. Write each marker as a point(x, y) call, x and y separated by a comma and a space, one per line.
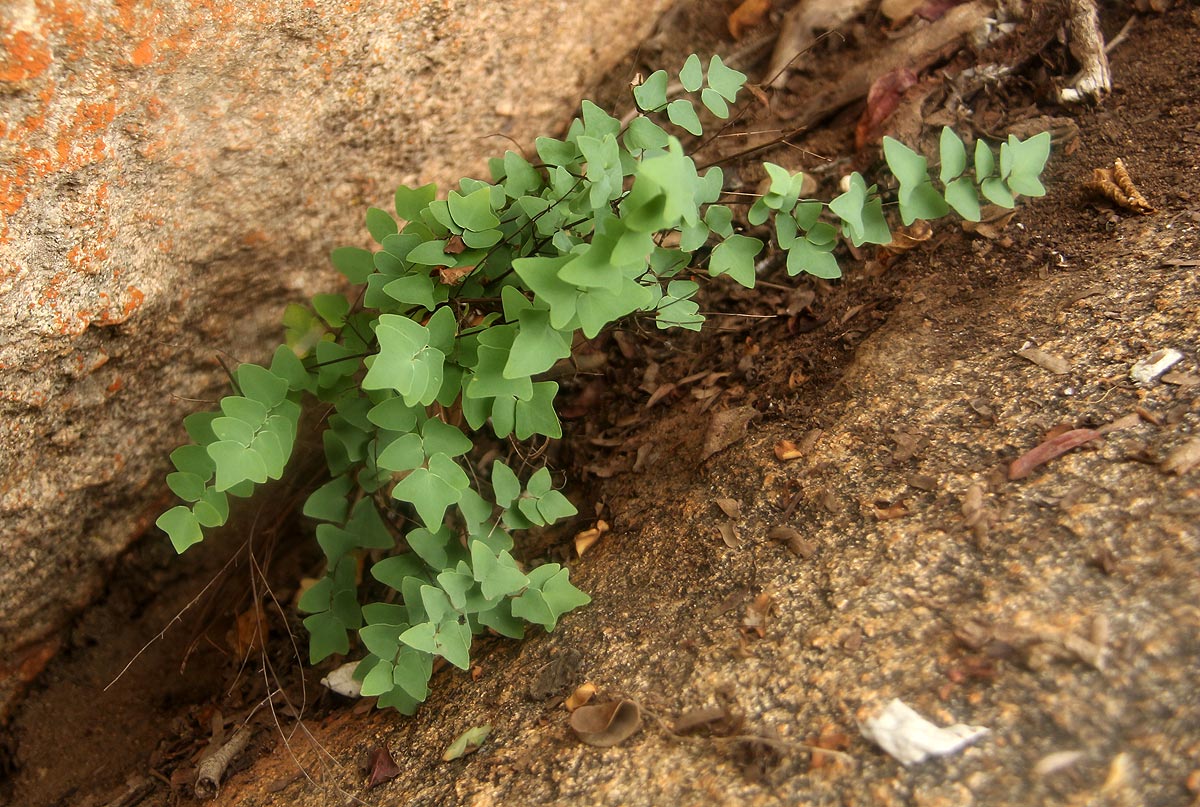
point(467, 302)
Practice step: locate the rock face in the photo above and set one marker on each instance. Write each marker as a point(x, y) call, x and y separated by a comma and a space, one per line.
point(172, 173)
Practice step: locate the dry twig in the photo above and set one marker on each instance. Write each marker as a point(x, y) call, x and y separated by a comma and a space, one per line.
point(212, 769)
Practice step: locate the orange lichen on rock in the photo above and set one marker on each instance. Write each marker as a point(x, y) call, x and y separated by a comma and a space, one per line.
point(143, 54)
point(22, 57)
point(80, 142)
point(105, 316)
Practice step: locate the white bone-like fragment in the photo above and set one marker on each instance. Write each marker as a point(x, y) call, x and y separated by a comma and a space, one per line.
point(342, 681)
point(910, 738)
point(1146, 370)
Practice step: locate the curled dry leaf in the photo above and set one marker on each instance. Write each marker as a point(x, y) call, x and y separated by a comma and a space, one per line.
point(467, 743)
point(1048, 450)
point(730, 507)
point(976, 513)
point(886, 511)
point(604, 725)
point(793, 540)
point(729, 534)
point(582, 694)
point(585, 539)
point(660, 393)
point(647, 455)
point(248, 632)
point(1047, 361)
point(1117, 186)
point(907, 238)
point(213, 767)
point(1184, 458)
point(703, 716)
point(453, 276)
point(924, 482)
point(381, 767)
point(757, 614)
point(1086, 42)
point(786, 450)
point(882, 100)
point(726, 428)
point(1129, 421)
point(992, 225)
point(747, 15)
point(1181, 379)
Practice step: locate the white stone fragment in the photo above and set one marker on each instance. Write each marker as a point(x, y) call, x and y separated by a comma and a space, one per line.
point(341, 680)
point(910, 738)
point(1144, 371)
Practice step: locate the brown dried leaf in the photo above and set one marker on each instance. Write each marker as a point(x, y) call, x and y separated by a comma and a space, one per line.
point(797, 543)
point(1047, 361)
point(978, 516)
point(1184, 458)
point(248, 632)
point(647, 455)
point(886, 511)
point(1179, 379)
point(1048, 450)
point(607, 724)
point(726, 428)
point(580, 696)
point(730, 507)
point(660, 393)
point(1129, 421)
point(729, 534)
point(703, 716)
point(747, 15)
point(882, 100)
point(991, 226)
point(381, 767)
point(907, 446)
point(757, 614)
point(759, 95)
point(926, 482)
point(452, 277)
point(910, 237)
point(587, 538)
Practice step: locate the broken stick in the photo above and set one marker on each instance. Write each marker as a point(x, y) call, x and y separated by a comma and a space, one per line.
point(212, 768)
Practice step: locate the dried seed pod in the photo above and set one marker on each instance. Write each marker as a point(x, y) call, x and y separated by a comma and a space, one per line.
point(1116, 185)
